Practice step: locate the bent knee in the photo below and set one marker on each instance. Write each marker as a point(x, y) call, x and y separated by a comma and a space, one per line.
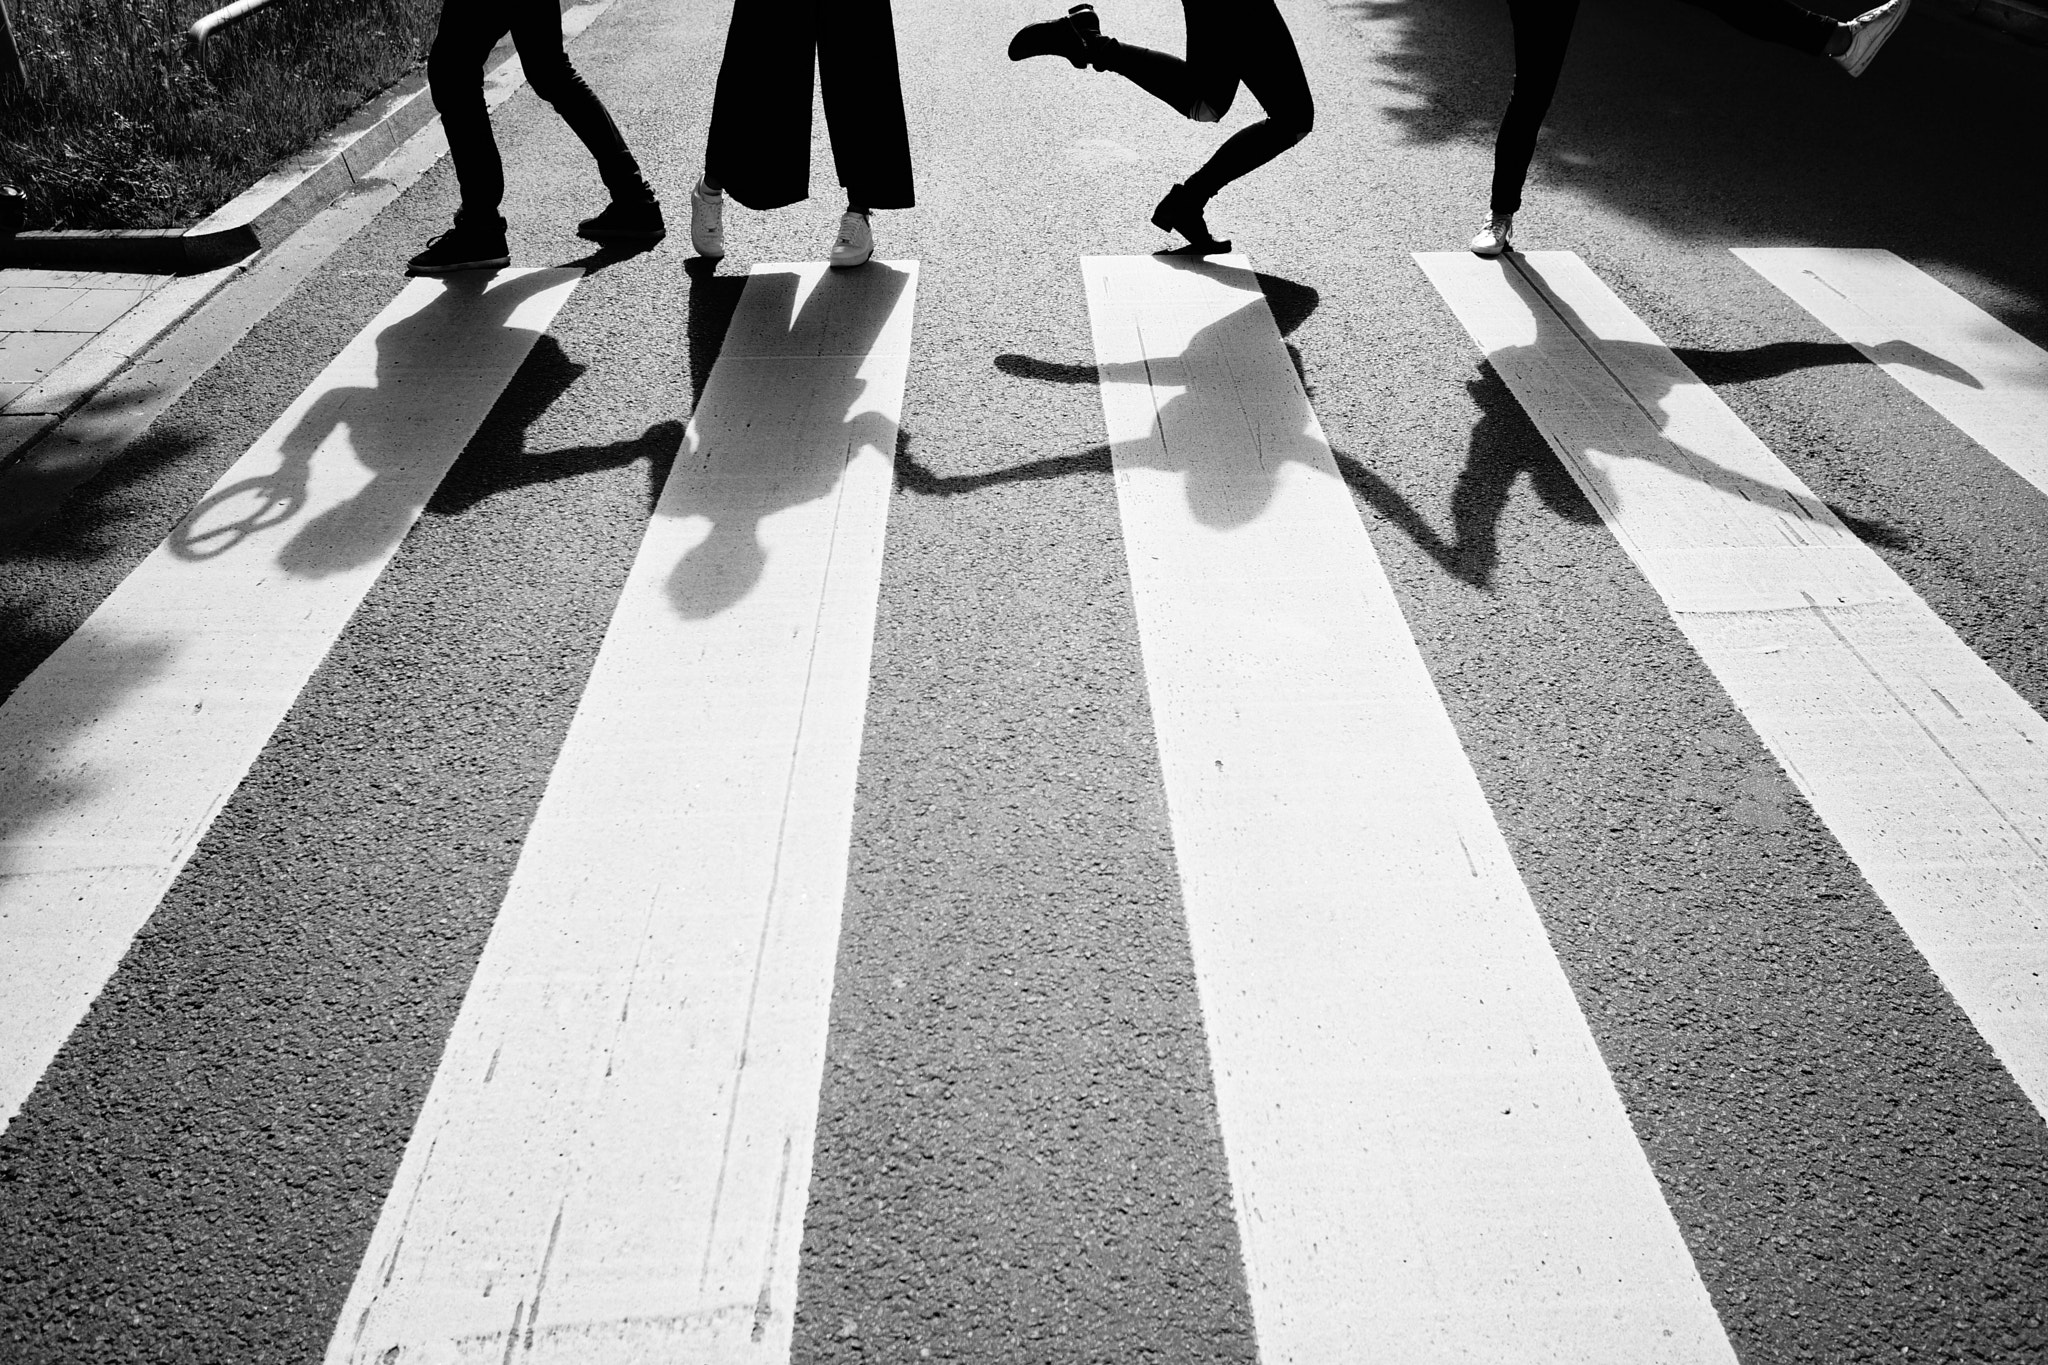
point(552, 80)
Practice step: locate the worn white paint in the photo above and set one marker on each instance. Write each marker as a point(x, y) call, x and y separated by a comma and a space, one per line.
point(1929, 768)
point(613, 1160)
point(1428, 1156)
point(1946, 351)
point(118, 752)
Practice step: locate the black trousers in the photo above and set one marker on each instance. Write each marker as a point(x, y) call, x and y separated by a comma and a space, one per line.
point(1543, 30)
point(760, 144)
point(1230, 43)
point(455, 75)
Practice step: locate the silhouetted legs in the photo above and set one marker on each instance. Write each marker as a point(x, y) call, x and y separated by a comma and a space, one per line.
point(455, 68)
point(1543, 31)
point(1230, 42)
point(1249, 45)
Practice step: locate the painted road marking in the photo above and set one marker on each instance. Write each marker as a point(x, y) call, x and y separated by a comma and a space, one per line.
point(1429, 1158)
point(118, 752)
point(1930, 770)
point(613, 1161)
point(1987, 379)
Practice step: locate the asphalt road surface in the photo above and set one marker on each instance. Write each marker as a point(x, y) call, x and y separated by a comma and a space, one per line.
point(1345, 804)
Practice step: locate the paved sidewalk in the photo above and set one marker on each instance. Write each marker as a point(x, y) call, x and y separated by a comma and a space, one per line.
point(46, 316)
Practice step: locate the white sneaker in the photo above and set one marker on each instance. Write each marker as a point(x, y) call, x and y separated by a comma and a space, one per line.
point(1493, 238)
point(707, 222)
point(855, 242)
point(1868, 32)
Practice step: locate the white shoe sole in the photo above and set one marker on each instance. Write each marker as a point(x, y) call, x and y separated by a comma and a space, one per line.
point(456, 268)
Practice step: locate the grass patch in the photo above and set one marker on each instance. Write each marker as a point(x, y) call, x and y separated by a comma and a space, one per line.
point(123, 128)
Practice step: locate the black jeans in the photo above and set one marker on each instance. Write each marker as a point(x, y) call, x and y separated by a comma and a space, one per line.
point(1230, 42)
point(455, 74)
point(760, 144)
point(1543, 30)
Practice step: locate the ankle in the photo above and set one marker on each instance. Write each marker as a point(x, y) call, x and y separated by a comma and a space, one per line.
point(710, 188)
point(1838, 45)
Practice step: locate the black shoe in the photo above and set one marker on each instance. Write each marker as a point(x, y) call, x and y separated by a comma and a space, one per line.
point(1180, 211)
point(1075, 37)
point(638, 223)
point(463, 247)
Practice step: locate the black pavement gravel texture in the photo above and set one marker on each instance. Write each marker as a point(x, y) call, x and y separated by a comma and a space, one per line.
point(1017, 1155)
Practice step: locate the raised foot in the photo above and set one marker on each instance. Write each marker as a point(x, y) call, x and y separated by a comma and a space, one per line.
point(1072, 36)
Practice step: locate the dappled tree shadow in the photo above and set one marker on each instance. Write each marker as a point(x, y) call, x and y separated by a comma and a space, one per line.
point(1676, 119)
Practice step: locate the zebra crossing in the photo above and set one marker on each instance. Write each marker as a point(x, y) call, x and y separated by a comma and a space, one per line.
point(1408, 1094)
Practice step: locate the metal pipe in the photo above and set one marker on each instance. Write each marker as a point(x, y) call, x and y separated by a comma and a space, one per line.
point(203, 28)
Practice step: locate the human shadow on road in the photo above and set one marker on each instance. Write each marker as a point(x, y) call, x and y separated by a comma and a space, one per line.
point(549, 373)
point(778, 427)
point(508, 466)
point(1504, 446)
point(380, 419)
point(1220, 494)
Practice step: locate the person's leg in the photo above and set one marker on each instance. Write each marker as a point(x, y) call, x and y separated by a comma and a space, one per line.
point(1782, 22)
point(759, 147)
point(455, 78)
point(1543, 33)
point(1167, 78)
point(863, 96)
point(1270, 68)
point(537, 31)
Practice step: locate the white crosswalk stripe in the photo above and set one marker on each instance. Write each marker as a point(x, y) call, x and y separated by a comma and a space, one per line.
point(118, 752)
point(613, 1160)
point(1409, 1096)
point(1987, 379)
point(1928, 767)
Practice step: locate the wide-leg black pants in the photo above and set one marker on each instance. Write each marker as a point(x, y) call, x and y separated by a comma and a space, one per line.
point(1543, 32)
point(760, 144)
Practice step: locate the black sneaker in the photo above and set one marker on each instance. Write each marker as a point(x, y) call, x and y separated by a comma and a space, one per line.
point(465, 246)
point(638, 223)
point(1073, 37)
point(1180, 211)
